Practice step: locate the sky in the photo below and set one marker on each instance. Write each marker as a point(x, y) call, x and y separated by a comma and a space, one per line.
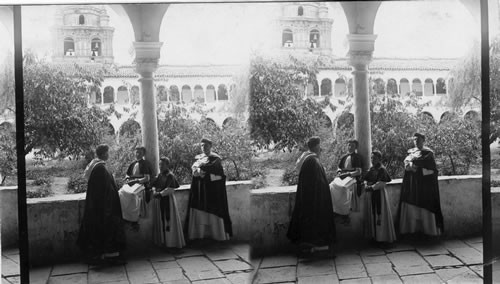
point(228, 33)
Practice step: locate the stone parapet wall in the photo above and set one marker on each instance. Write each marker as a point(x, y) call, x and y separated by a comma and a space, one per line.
point(271, 209)
point(53, 222)
point(8, 216)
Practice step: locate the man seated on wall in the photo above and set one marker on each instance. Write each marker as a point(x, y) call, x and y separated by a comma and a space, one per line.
point(135, 193)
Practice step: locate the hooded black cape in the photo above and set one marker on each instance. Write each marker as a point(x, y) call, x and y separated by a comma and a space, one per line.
point(312, 218)
point(101, 229)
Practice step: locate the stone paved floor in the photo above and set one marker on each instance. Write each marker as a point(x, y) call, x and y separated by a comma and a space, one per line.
point(212, 264)
point(446, 261)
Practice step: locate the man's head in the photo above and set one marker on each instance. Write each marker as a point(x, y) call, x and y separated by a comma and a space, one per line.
point(206, 145)
point(314, 144)
point(352, 145)
point(164, 162)
point(102, 152)
point(140, 152)
point(418, 140)
point(376, 157)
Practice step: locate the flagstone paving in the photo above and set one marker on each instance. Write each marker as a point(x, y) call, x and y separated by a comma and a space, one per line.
point(408, 261)
point(211, 263)
point(447, 261)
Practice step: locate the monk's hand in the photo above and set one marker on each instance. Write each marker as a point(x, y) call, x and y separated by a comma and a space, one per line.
point(369, 188)
point(170, 191)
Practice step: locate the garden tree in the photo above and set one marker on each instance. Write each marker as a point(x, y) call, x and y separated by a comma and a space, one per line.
point(57, 116)
point(238, 104)
point(279, 113)
point(8, 157)
point(7, 91)
point(465, 88)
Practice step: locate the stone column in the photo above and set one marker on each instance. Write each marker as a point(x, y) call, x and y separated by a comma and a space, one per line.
point(146, 59)
point(360, 55)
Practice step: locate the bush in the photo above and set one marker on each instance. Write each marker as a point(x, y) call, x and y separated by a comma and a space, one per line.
point(77, 184)
point(39, 192)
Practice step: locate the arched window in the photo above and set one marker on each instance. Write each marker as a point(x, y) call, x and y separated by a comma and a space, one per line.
point(404, 87)
point(428, 87)
point(210, 93)
point(440, 86)
point(379, 86)
point(392, 87)
point(81, 20)
point(95, 46)
point(174, 95)
point(199, 95)
point(301, 11)
point(326, 87)
point(162, 94)
point(187, 94)
point(340, 87)
point(109, 95)
point(314, 38)
point(416, 87)
point(134, 95)
point(122, 95)
point(287, 38)
point(222, 93)
point(69, 47)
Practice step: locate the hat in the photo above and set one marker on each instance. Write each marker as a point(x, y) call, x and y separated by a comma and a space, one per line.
point(206, 141)
point(419, 135)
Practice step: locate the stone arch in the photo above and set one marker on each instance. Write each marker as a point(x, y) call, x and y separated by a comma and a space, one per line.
point(404, 87)
point(135, 95)
point(130, 128)
point(110, 130)
point(392, 86)
point(445, 116)
point(109, 95)
point(379, 86)
point(287, 38)
point(122, 95)
point(345, 120)
point(69, 46)
point(428, 115)
point(210, 93)
point(6, 126)
point(326, 121)
point(340, 87)
point(210, 123)
point(186, 94)
point(472, 115)
point(228, 121)
point(440, 86)
point(428, 87)
point(173, 94)
point(162, 94)
point(198, 94)
point(326, 87)
point(222, 93)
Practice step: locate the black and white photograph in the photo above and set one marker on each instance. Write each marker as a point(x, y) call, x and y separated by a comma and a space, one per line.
point(250, 142)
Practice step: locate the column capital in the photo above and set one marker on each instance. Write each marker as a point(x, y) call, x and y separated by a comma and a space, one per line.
point(360, 58)
point(361, 48)
point(147, 55)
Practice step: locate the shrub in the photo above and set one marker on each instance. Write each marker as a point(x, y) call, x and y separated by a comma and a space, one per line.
point(77, 184)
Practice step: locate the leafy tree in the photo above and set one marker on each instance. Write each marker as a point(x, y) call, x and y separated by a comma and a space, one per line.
point(8, 157)
point(7, 89)
point(57, 117)
point(279, 113)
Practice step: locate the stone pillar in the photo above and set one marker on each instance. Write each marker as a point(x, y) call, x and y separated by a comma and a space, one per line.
point(360, 55)
point(146, 59)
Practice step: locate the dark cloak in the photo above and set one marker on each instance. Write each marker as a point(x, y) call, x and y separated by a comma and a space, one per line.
point(312, 218)
point(101, 229)
point(375, 174)
point(423, 191)
point(210, 196)
point(145, 168)
point(162, 181)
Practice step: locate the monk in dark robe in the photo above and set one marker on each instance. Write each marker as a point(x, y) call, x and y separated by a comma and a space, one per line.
point(208, 212)
point(312, 226)
point(102, 234)
point(420, 208)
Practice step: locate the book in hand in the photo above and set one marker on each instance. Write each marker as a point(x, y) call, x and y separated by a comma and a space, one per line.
point(134, 189)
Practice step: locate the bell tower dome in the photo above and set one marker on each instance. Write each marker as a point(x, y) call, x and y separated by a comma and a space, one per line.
point(82, 34)
point(306, 27)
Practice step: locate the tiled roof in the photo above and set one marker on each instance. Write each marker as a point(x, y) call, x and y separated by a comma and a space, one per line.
point(325, 63)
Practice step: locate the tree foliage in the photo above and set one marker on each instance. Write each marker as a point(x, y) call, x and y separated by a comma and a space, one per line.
point(57, 117)
point(279, 113)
